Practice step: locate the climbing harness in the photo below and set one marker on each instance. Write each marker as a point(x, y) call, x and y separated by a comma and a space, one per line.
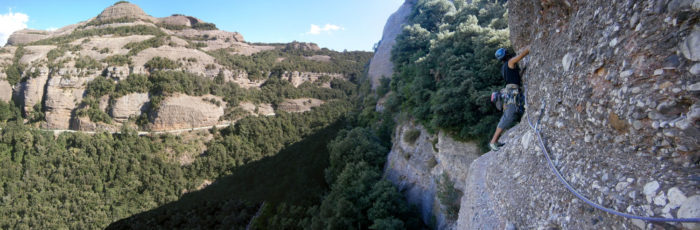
point(568, 186)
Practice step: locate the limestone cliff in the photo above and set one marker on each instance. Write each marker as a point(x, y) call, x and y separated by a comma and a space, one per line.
point(619, 87)
point(419, 162)
point(381, 65)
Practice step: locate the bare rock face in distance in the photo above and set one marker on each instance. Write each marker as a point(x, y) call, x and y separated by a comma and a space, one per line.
point(299, 105)
point(123, 10)
point(129, 105)
point(183, 112)
point(381, 65)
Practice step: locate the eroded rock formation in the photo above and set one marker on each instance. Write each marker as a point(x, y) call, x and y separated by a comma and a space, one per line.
point(299, 105)
point(184, 111)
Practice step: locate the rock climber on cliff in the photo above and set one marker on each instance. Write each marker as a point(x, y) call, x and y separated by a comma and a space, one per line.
point(511, 93)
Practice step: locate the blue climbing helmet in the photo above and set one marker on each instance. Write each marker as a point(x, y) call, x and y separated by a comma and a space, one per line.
point(500, 53)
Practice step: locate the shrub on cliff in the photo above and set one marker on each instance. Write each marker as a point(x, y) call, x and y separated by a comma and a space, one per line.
point(445, 68)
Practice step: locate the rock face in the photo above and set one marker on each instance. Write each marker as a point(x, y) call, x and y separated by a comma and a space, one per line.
point(183, 112)
point(180, 20)
point(129, 105)
point(299, 105)
point(381, 65)
point(5, 91)
point(84, 124)
point(416, 166)
point(259, 109)
point(62, 96)
point(26, 36)
point(297, 78)
point(32, 90)
point(123, 10)
point(618, 118)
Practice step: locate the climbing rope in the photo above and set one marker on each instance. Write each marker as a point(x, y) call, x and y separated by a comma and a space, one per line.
point(571, 189)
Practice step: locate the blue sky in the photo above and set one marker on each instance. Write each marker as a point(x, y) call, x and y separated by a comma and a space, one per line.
point(335, 24)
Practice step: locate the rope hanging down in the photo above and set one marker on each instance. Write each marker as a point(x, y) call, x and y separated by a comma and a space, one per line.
point(568, 186)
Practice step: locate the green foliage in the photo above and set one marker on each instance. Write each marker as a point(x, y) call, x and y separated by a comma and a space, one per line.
point(37, 113)
point(98, 22)
point(135, 83)
point(383, 87)
point(99, 86)
point(445, 66)
point(358, 144)
point(360, 199)
point(15, 70)
point(120, 2)
point(411, 136)
point(118, 60)
point(8, 112)
point(161, 63)
point(87, 62)
point(136, 47)
point(449, 197)
point(204, 26)
point(117, 31)
point(349, 63)
point(90, 108)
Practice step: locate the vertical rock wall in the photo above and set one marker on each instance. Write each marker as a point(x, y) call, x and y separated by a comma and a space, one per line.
point(417, 166)
point(381, 65)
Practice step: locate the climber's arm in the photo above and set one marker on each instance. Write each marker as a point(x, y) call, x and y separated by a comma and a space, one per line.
point(516, 59)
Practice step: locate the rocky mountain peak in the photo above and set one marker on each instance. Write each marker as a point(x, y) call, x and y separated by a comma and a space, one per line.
point(121, 10)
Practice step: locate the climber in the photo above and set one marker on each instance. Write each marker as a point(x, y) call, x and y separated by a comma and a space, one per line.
point(511, 107)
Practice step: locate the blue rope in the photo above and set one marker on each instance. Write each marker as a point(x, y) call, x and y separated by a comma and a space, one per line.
point(536, 128)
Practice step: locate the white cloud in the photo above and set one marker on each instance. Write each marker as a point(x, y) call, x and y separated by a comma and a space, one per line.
point(328, 28)
point(10, 23)
point(51, 29)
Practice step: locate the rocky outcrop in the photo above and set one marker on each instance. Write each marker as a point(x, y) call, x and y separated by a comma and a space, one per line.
point(297, 78)
point(26, 36)
point(35, 54)
point(299, 105)
point(118, 72)
point(620, 119)
point(257, 109)
point(419, 162)
point(32, 90)
point(123, 10)
point(5, 91)
point(210, 35)
point(381, 65)
point(84, 124)
point(183, 112)
point(303, 46)
point(63, 94)
point(130, 105)
point(180, 20)
point(175, 54)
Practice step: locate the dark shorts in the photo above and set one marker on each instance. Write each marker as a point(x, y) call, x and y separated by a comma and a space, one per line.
point(510, 113)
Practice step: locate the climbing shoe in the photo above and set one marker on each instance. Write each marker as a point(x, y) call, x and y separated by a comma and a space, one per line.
point(493, 146)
